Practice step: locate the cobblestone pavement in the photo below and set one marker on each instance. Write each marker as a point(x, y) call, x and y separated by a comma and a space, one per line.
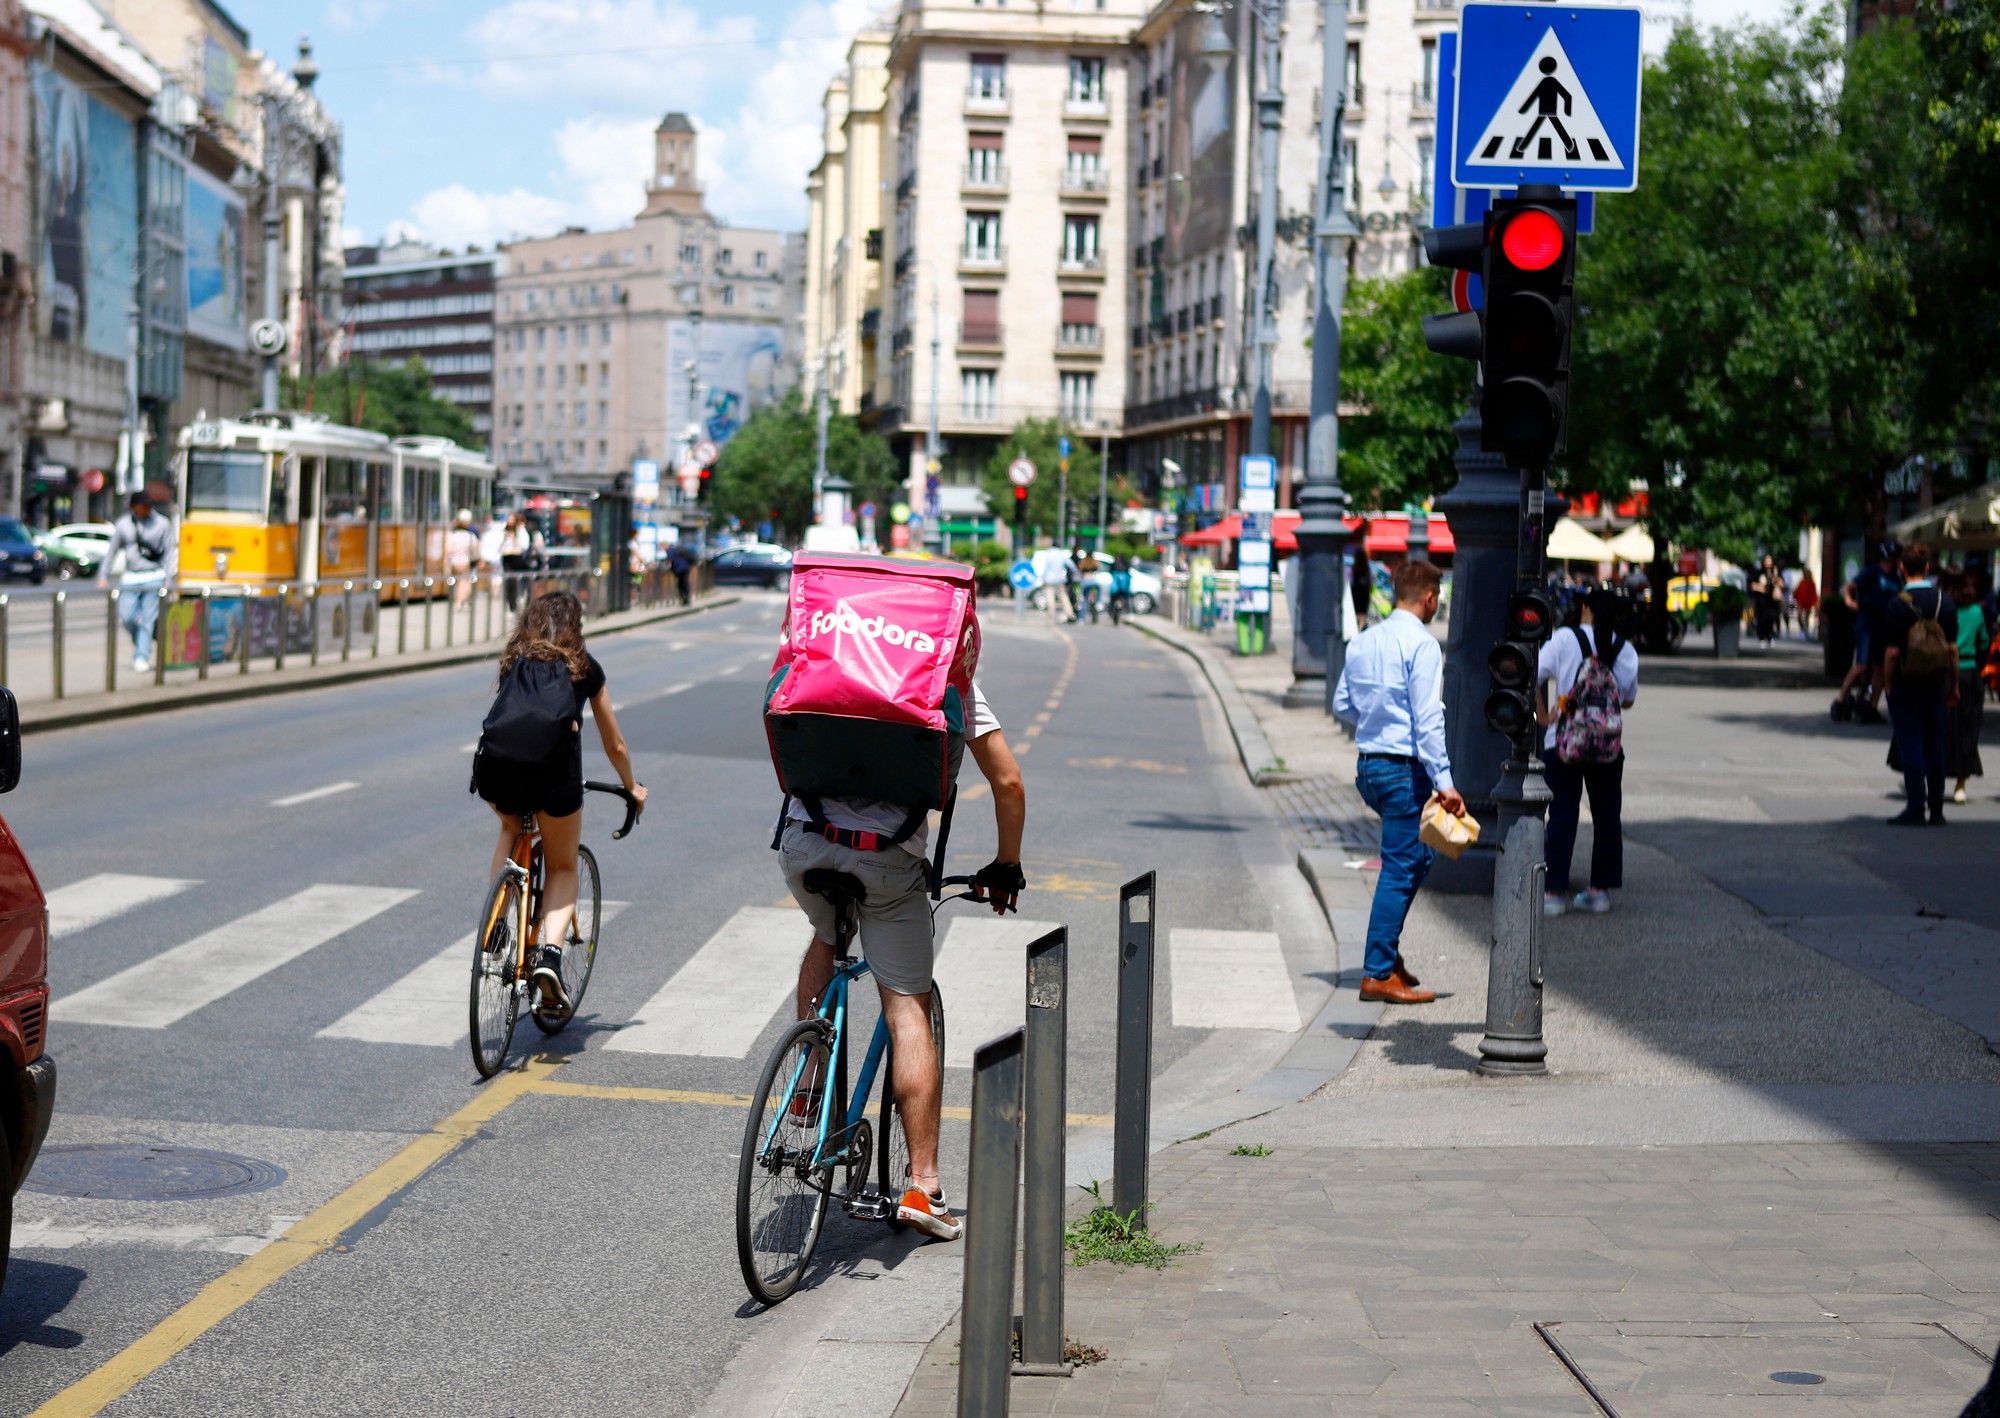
point(1326, 811)
point(1406, 1283)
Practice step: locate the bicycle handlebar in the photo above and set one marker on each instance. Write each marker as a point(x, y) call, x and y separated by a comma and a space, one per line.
point(617, 790)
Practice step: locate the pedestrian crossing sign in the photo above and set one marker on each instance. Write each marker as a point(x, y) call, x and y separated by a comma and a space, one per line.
point(1547, 94)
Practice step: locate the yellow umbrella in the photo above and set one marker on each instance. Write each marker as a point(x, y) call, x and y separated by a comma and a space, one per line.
point(1572, 541)
point(1632, 545)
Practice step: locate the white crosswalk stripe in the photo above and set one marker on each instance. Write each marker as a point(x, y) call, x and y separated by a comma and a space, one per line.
point(100, 898)
point(429, 1006)
point(175, 983)
point(1230, 980)
point(982, 967)
point(718, 1003)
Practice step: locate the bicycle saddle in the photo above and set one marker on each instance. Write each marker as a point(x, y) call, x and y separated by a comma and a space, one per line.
point(839, 887)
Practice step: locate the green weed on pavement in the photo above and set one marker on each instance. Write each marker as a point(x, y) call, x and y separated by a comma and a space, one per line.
point(1106, 1234)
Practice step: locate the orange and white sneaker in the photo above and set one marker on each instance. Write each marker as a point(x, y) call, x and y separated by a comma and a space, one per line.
point(929, 1214)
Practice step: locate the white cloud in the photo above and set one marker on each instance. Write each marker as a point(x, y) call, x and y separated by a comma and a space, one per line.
point(457, 216)
point(625, 54)
point(352, 16)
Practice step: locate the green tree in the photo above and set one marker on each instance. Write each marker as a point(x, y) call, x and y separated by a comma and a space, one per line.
point(1399, 448)
point(396, 399)
point(765, 472)
point(1036, 440)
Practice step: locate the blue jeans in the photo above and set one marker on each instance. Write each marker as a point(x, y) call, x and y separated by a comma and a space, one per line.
point(138, 612)
point(1917, 718)
point(1398, 791)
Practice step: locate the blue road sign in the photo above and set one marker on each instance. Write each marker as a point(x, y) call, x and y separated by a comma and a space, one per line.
point(1062, 446)
point(1452, 205)
point(1023, 575)
point(1547, 94)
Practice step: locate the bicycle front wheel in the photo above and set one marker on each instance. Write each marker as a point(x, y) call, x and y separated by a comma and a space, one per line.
point(893, 1142)
point(781, 1197)
point(580, 948)
point(496, 956)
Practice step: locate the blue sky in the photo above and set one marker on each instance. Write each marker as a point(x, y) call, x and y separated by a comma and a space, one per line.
point(477, 120)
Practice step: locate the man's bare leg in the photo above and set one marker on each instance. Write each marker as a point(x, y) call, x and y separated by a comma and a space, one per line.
point(815, 974)
point(919, 1089)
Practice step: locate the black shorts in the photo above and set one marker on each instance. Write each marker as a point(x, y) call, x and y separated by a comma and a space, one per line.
point(518, 788)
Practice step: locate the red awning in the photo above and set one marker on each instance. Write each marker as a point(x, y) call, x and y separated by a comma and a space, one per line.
point(1390, 533)
point(1386, 534)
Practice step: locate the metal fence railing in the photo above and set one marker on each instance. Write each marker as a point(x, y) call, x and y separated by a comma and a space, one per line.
point(55, 645)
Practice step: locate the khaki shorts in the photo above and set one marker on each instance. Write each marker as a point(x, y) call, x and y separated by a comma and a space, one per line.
point(895, 917)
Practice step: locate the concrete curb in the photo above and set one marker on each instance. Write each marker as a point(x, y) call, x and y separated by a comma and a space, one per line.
point(1259, 760)
point(49, 714)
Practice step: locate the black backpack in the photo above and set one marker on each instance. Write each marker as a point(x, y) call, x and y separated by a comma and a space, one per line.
point(534, 714)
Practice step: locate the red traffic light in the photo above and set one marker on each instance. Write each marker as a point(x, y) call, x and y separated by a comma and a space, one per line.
point(1530, 617)
point(1020, 494)
point(1532, 240)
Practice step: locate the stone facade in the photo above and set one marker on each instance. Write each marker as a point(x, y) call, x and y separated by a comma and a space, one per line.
point(411, 301)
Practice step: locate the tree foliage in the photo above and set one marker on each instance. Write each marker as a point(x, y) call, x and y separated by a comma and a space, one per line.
point(1036, 439)
point(765, 472)
point(1399, 448)
point(396, 399)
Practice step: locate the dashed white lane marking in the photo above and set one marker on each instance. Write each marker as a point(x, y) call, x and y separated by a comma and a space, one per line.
point(1230, 980)
point(100, 898)
point(177, 982)
point(718, 1003)
point(983, 969)
point(313, 793)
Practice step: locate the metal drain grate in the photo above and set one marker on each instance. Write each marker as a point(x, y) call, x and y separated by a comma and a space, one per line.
point(138, 1171)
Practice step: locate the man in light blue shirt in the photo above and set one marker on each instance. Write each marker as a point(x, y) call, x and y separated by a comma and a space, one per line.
point(1390, 692)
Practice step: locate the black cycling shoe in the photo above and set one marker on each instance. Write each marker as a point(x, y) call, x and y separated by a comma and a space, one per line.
point(547, 978)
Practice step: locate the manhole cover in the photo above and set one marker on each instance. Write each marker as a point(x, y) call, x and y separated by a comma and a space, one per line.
point(1798, 1376)
point(137, 1171)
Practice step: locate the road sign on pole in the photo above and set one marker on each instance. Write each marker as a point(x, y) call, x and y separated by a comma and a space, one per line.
point(1547, 94)
point(1022, 472)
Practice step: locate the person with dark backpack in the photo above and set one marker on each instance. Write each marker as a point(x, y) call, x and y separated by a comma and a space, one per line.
point(1596, 677)
point(1920, 677)
point(530, 756)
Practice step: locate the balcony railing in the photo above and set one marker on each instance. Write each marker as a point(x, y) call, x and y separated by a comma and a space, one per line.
point(906, 186)
point(987, 99)
point(1080, 339)
point(871, 322)
point(903, 263)
point(1175, 406)
point(899, 342)
point(982, 258)
point(981, 334)
point(983, 177)
point(1085, 181)
point(1215, 306)
point(978, 413)
point(1085, 104)
point(1080, 263)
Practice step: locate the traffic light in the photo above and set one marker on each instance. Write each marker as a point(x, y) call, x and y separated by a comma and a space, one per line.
point(1530, 279)
point(1462, 249)
point(1510, 706)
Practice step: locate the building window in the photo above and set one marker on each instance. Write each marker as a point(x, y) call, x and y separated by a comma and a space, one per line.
point(982, 236)
point(726, 256)
point(1079, 397)
point(989, 76)
point(1085, 163)
point(1350, 162)
point(541, 337)
point(562, 375)
point(1086, 79)
point(562, 337)
point(1354, 99)
point(604, 376)
point(975, 393)
point(981, 325)
point(1079, 246)
point(603, 413)
point(1079, 319)
point(582, 336)
point(982, 158)
point(1427, 86)
point(604, 333)
point(762, 260)
point(540, 376)
point(729, 295)
point(690, 255)
point(1426, 160)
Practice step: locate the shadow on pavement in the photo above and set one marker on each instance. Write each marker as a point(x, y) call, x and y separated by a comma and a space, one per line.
point(37, 1292)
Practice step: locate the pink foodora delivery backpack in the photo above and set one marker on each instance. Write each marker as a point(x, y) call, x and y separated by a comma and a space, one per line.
point(871, 691)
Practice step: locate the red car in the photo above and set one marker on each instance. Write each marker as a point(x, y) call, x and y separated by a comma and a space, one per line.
point(27, 1073)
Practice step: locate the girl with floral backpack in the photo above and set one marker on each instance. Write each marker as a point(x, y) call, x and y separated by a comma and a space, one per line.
point(1595, 679)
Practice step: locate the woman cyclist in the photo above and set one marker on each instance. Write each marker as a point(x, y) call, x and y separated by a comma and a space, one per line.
point(550, 632)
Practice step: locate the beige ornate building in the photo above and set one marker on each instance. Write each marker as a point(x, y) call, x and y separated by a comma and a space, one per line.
point(612, 346)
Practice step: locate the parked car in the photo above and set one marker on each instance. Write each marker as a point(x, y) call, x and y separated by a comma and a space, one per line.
point(1145, 588)
point(19, 556)
point(93, 539)
point(67, 559)
point(753, 564)
point(27, 1073)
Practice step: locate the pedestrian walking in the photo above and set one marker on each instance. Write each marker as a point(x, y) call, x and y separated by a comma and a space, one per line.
point(1361, 585)
point(1975, 638)
point(1390, 691)
point(681, 565)
point(1089, 594)
point(1767, 599)
point(1805, 600)
point(1594, 674)
point(1920, 676)
point(1120, 600)
point(1868, 596)
point(520, 552)
point(1053, 565)
point(461, 554)
point(145, 556)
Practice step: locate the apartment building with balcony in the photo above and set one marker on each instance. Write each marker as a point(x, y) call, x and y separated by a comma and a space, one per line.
point(1002, 209)
point(408, 301)
point(843, 337)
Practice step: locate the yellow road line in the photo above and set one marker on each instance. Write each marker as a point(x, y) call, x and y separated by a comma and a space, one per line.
point(321, 1231)
point(735, 1100)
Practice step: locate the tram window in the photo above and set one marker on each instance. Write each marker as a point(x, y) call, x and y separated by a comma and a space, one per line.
point(432, 512)
point(385, 491)
point(410, 481)
point(225, 481)
point(346, 488)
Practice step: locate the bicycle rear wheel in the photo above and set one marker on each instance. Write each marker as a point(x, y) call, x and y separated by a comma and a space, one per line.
point(496, 953)
point(580, 949)
point(894, 1145)
point(781, 1198)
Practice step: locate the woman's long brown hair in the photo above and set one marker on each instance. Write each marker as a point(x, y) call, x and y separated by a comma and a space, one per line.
point(550, 628)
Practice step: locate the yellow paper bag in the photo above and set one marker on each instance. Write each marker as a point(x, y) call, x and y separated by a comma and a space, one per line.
point(1444, 831)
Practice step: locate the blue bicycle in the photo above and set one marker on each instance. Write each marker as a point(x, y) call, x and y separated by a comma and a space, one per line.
point(805, 1141)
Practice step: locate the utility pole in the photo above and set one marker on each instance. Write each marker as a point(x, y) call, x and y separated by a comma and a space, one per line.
point(1103, 483)
point(1270, 114)
point(933, 455)
point(819, 454)
point(274, 142)
point(1319, 647)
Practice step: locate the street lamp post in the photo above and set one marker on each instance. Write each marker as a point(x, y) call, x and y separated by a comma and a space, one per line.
point(274, 142)
point(819, 448)
point(1270, 115)
point(1319, 647)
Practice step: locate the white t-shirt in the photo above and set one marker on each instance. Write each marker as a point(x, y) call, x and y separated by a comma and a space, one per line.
point(869, 815)
point(1562, 661)
point(1052, 565)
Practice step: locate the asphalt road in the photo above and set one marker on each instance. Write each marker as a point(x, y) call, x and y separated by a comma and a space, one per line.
point(577, 1252)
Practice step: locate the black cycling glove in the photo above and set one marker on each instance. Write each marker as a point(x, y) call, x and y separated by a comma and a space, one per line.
point(1000, 883)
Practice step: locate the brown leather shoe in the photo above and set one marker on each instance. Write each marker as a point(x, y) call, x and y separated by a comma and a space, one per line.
point(1394, 991)
point(1403, 976)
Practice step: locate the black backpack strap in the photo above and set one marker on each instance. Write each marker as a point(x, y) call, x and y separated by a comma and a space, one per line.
point(784, 814)
point(943, 837)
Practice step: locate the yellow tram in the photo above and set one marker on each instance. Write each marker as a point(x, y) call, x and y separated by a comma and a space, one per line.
point(278, 497)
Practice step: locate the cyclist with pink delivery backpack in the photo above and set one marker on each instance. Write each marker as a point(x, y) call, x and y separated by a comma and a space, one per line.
point(870, 707)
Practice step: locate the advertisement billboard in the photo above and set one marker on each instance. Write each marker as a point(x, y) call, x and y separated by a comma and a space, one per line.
point(86, 204)
point(741, 371)
point(1201, 141)
point(215, 306)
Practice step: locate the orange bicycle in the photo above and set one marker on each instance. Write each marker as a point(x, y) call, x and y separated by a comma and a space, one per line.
point(503, 950)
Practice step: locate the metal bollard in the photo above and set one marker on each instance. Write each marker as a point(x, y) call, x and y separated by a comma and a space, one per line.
point(450, 607)
point(243, 637)
point(403, 616)
point(346, 620)
point(201, 646)
point(1044, 1117)
point(312, 624)
point(4, 603)
point(986, 1323)
point(375, 601)
point(159, 645)
point(1513, 1042)
point(1132, 1125)
point(56, 612)
point(110, 642)
point(430, 584)
point(284, 624)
